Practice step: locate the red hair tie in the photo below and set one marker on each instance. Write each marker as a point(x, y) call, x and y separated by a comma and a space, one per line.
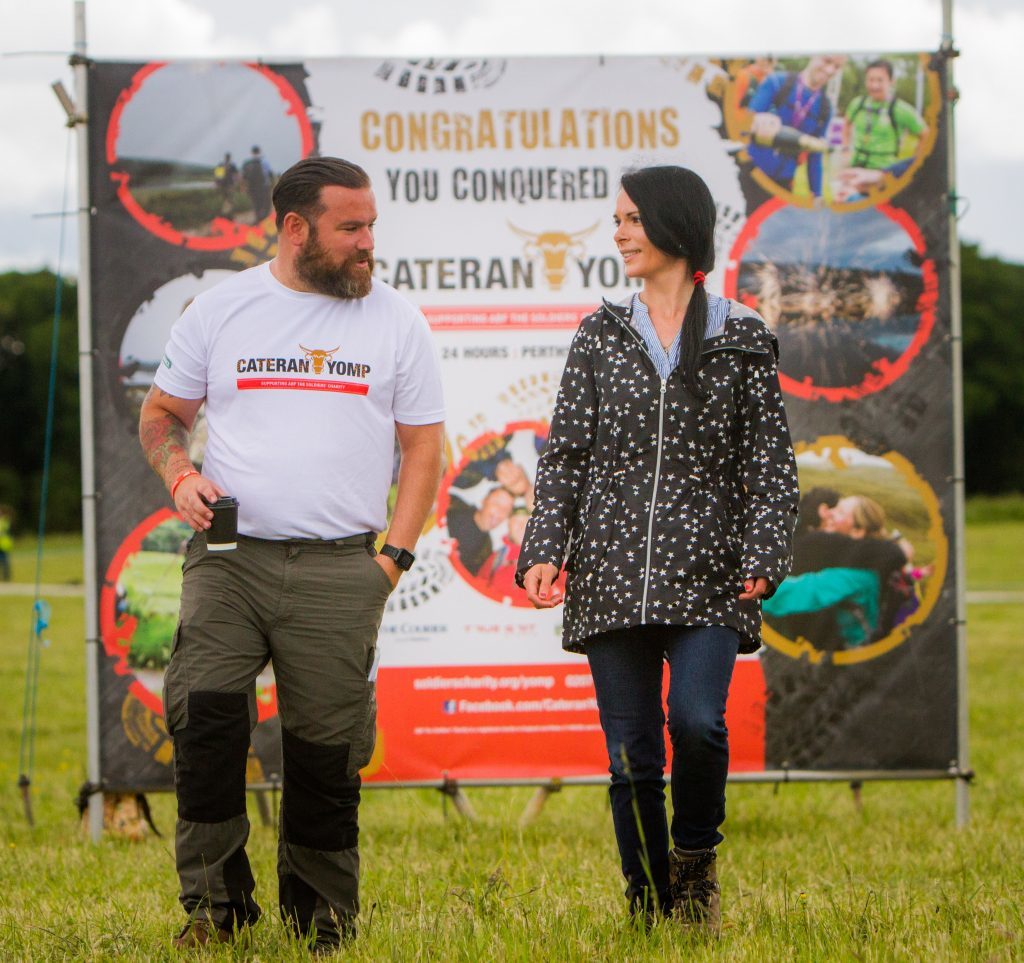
point(698, 277)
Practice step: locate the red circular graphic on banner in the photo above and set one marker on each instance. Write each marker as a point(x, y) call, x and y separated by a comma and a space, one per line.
point(848, 326)
point(224, 230)
point(144, 575)
point(485, 501)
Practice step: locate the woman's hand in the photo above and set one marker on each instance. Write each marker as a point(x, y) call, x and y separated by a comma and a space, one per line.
point(541, 590)
point(753, 588)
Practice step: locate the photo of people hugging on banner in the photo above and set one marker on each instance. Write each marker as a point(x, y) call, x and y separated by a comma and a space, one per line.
point(489, 499)
point(866, 556)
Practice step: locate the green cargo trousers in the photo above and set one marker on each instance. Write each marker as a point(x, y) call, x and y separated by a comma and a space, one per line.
point(314, 609)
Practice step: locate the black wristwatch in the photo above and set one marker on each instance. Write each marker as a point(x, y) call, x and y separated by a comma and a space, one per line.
point(402, 557)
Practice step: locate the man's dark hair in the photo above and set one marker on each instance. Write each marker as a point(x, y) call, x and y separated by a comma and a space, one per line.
point(886, 65)
point(298, 188)
point(678, 215)
point(807, 515)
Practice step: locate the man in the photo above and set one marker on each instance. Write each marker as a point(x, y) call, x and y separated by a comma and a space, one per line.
point(475, 530)
point(225, 176)
point(788, 105)
point(308, 369)
point(882, 131)
point(814, 511)
point(257, 174)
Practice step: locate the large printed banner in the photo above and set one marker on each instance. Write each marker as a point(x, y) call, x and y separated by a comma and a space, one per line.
point(496, 182)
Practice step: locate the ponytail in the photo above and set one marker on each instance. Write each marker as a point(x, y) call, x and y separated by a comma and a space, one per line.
point(695, 323)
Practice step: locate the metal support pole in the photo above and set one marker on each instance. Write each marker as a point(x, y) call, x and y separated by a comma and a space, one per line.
point(450, 789)
point(263, 808)
point(956, 340)
point(85, 382)
point(537, 802)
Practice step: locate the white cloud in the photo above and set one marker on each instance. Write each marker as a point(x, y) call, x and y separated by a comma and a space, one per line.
point(35, 137)
point(311, 29)
point(175, 28)
point(416, 39)
point(988, 75)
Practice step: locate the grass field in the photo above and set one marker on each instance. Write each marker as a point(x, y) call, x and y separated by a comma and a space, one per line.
point(806, 875)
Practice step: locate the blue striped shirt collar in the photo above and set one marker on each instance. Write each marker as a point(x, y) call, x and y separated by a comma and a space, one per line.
point(665, 360)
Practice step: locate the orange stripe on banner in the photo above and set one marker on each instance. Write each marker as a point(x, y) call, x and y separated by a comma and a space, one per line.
point(744, 716)
point(520, 722)
point(302, 384)
point(507, 318)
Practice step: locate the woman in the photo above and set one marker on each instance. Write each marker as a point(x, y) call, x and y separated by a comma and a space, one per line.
point(887, 554)
point(832, 594)
point(668, 487)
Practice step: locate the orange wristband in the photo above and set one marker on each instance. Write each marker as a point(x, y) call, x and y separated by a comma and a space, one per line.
point(180, 479)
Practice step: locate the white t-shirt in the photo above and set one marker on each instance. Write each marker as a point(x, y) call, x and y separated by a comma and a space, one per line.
point(302, 395)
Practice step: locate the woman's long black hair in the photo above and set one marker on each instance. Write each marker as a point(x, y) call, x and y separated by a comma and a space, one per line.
point(678, 215)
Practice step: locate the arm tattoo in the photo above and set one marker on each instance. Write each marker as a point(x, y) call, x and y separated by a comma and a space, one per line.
point(165, 442)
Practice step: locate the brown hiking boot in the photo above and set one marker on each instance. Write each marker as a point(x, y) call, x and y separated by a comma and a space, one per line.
point(200, 932)
point(693, 885)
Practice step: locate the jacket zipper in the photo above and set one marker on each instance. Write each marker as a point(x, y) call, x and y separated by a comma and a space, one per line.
point(654, 501)
point(657, 464)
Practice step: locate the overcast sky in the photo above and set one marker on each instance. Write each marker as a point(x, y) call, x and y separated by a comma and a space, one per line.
point(37, 34)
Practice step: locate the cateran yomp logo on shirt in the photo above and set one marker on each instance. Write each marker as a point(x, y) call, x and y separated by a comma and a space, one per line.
point(318, 356)
point(315, 361)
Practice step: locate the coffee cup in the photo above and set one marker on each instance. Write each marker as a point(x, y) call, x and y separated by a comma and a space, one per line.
point(222, 535)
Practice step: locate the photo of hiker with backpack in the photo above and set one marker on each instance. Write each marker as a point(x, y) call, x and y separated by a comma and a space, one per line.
point(881, 131)
point(791, 115)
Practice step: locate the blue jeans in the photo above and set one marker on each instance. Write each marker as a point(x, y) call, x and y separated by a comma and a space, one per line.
point(627, 667)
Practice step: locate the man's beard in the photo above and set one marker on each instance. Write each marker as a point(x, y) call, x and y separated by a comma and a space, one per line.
point(347, 280)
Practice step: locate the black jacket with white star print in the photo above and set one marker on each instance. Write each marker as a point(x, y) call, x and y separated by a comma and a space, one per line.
point(659, 504)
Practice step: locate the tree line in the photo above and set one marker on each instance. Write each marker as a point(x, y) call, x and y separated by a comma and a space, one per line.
point(992, 291)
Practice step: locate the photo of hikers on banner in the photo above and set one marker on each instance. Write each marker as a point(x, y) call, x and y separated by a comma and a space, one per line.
point(247, 190)
point(862, 554)
point(831, 128)
point(489, 502)
point(189, 171)
point(187, 197)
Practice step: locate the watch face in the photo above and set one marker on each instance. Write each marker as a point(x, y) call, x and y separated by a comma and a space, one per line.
point(402, 557)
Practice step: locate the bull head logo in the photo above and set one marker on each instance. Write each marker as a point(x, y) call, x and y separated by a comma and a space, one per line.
point(318, 357)
point(553, 247)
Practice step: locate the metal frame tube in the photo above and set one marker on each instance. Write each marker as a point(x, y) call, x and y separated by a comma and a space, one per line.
point(959, 481)
point(768, 776)
point(85, 382)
